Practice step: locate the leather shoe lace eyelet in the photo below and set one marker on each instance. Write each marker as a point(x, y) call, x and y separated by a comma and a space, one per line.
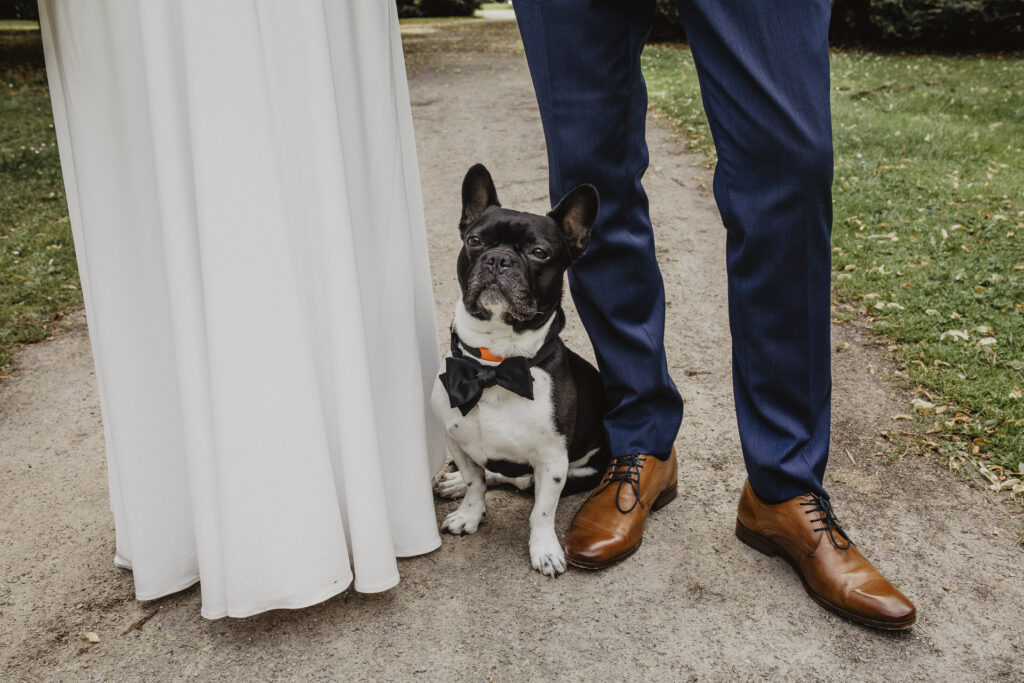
point(830, 523)
point(626, 471)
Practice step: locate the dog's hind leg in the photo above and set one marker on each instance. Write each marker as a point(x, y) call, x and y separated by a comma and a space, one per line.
point(452, 485)
point(522, 483)
point(466, 520)
point(586, 473)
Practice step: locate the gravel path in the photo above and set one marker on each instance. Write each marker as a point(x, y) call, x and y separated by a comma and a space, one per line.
point(692, 604)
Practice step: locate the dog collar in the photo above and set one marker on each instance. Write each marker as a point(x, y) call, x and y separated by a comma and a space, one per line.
point(465, 376)
point(482, 352)
point(460, 349)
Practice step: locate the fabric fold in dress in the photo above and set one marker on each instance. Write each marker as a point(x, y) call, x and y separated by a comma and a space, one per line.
point(245, 202)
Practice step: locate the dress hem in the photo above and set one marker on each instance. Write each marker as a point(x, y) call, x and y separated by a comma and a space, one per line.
point(187, 583)
point(301, 603)
point(415, 553)
point(377, 587)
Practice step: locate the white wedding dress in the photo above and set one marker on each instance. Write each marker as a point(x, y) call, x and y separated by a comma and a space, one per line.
point(245, 201)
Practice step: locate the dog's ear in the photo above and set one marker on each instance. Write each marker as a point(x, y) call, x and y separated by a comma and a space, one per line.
point(576, 214)
point(477, 194)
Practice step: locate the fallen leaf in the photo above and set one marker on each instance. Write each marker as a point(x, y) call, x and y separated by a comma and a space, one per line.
point(954, 334)
point(922, 405)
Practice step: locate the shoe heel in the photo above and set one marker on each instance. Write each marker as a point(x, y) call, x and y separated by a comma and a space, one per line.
point(758, 543)
point(666, 497)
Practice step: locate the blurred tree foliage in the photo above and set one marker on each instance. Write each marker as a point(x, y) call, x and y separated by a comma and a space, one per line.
point(19, 9)
point(667, 25)
point(438, 8)
point(933, 25)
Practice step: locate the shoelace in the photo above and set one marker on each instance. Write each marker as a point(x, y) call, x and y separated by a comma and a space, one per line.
point(830, 523)
point(625, 470)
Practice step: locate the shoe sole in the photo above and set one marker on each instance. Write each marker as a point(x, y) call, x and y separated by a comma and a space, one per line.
point(663, 499)
point(771, 549)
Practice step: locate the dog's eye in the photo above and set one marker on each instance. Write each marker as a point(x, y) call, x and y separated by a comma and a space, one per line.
point(473, 241)
point(539, 253)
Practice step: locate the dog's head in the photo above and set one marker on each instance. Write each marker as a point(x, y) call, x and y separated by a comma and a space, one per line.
point(512, 263)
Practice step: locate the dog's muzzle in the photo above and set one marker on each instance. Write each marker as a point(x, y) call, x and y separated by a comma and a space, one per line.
point(498, 278)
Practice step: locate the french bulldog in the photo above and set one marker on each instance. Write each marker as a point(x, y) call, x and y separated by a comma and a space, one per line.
point(518, 406)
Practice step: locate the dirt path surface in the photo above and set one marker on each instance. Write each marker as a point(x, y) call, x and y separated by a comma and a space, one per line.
point(692, 604)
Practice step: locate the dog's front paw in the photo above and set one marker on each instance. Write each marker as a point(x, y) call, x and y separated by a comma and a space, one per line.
point(462, 521)
point(546, 554)
point(451, 485)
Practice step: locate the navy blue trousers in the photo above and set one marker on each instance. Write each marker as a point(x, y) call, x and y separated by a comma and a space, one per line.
point(764, 77)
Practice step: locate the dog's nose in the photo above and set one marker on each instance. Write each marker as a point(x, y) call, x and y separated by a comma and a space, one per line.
point(497, 262)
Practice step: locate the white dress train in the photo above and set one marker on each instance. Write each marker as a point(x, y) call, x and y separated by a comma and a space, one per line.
point(244, 196)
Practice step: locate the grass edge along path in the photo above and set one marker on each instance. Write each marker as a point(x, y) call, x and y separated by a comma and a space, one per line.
point(928, 237)
point(38, 271)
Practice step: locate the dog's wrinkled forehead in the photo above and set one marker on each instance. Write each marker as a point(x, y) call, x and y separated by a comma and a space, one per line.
point(515, 228)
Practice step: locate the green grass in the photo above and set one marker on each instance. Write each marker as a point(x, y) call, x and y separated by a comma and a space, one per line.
point(18, 25)
point(413, 21)
point(928, 241)
point(928, 237)
point(495, 5)
point(38, 273)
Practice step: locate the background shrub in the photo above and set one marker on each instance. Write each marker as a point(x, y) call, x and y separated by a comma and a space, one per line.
point(667, 25)
point(19, 9)
point(936, 25)
point(438, 8)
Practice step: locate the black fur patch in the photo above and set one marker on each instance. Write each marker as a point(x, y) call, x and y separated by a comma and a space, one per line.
point(509, 468)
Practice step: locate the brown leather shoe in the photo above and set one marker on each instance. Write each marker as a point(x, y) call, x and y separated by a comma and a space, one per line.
point(610, 525)
point(806, 533)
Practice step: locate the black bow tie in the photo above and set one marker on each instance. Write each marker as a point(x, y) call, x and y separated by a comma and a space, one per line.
point(465, 378)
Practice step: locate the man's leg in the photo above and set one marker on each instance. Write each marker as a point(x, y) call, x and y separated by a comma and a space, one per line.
point(584, 57)
point(764, 75)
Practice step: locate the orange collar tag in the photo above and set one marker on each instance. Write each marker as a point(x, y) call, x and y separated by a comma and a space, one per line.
point(486, 354)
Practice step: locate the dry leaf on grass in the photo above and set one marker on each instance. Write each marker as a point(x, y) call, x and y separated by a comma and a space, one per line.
point(922, 405)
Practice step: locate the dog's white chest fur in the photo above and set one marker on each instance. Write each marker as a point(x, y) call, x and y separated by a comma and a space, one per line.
point(503, 425)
